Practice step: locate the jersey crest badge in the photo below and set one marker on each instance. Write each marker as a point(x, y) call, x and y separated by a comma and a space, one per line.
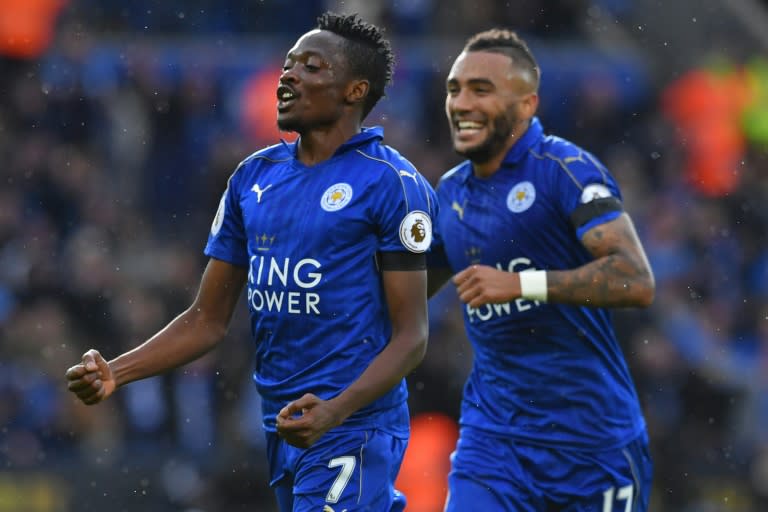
point(336, 197)
point(416, 231)
point(521, 197)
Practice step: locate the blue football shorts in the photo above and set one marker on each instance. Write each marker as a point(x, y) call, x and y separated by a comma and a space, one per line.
point(491, 472)
point(342, 471)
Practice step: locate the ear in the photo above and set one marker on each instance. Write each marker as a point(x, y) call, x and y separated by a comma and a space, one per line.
point(357, 91)
point(529, 105)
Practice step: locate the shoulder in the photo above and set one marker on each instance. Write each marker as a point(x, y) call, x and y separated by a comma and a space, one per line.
point(271, 154)
point(382, 157)
point(456, 175)
point(385, 162)
point(569, 161)
point(260, 159)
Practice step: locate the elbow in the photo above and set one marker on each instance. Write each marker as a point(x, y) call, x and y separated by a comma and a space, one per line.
point(638, 285)
point(420, 351)
point(646, 291)
point(217, 329)
point(218, 332)
point(211, 335)
point(210, 330)
point(417, 348)
point(646, 299)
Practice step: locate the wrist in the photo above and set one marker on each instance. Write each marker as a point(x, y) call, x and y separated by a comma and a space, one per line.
point(340, 410)
point(533, 285)
point(109, 387)
point(120, 371)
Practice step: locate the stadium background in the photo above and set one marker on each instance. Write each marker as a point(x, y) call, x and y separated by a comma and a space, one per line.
point(121, 121)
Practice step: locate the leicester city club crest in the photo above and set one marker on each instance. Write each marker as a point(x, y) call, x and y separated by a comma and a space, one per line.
point(521, 197)
point(336, 197)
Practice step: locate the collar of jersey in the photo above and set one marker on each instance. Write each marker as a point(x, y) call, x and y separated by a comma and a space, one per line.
point(521, 147)
point(366, 135)
point(514, 155)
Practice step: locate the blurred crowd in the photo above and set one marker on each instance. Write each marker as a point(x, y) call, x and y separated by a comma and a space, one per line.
point(116, 141)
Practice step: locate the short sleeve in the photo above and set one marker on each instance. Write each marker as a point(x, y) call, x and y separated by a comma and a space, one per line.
point(589, 195)
point(227, 240)
point(437, 256)
point(406, 212)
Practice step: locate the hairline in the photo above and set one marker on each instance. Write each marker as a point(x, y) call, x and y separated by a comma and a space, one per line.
point(529, 73)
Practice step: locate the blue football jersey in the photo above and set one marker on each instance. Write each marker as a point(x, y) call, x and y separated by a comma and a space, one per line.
point(309, 237)
point(547, 373)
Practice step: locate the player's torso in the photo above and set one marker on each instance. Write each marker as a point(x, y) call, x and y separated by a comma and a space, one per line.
point(511, 221)
point(310, 234)
point(315, 294)
point(514, 221)
point(528, 353)
point(492, 221)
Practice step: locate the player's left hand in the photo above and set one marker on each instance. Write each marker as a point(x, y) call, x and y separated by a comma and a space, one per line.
point(481, 284)
point(304, 421)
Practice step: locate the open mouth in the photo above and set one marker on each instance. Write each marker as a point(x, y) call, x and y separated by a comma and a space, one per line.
point(286, 96)
point(466, 129)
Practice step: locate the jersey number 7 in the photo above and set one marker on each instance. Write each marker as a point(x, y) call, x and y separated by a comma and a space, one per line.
point(347, 464)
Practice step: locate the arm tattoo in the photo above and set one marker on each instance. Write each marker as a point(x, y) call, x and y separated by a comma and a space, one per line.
point(619, 276)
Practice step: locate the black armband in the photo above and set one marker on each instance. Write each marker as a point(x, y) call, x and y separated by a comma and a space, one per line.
point(402, 261)
point(588, 211)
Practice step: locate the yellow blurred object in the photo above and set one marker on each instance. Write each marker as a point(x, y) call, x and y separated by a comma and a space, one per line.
point(32, 492)
point(755, 119)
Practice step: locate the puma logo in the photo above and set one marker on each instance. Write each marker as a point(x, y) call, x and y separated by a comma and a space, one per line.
point(259, 191)
point(411, 175)
point(327, 508)
point(459, 209)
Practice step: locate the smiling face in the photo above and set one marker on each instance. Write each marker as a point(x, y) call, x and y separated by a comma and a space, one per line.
point(489, 102)
point(312, 88)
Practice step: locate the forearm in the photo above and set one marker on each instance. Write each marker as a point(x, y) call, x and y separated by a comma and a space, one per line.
point(386, 371)
point(610, 281)
point(186, 338)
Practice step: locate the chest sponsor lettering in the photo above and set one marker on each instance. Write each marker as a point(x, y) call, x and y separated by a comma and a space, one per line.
point(285, 285)
point(489, 311)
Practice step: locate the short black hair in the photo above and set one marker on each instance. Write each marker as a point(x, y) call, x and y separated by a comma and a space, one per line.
point(506, 42)
point(368, 53)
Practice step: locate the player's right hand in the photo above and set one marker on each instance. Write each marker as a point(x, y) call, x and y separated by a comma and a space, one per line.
point(92, 379)
point(478, 285)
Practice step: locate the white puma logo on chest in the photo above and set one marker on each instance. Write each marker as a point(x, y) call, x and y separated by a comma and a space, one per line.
point(259, 191)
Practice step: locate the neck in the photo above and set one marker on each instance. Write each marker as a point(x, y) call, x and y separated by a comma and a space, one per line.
point(319, 144)
point(488, 168)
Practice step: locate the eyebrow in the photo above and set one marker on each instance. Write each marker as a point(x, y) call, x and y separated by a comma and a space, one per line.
point(473, 81)
point(304, 54)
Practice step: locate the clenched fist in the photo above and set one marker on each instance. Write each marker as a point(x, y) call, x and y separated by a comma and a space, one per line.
point(91, 380)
